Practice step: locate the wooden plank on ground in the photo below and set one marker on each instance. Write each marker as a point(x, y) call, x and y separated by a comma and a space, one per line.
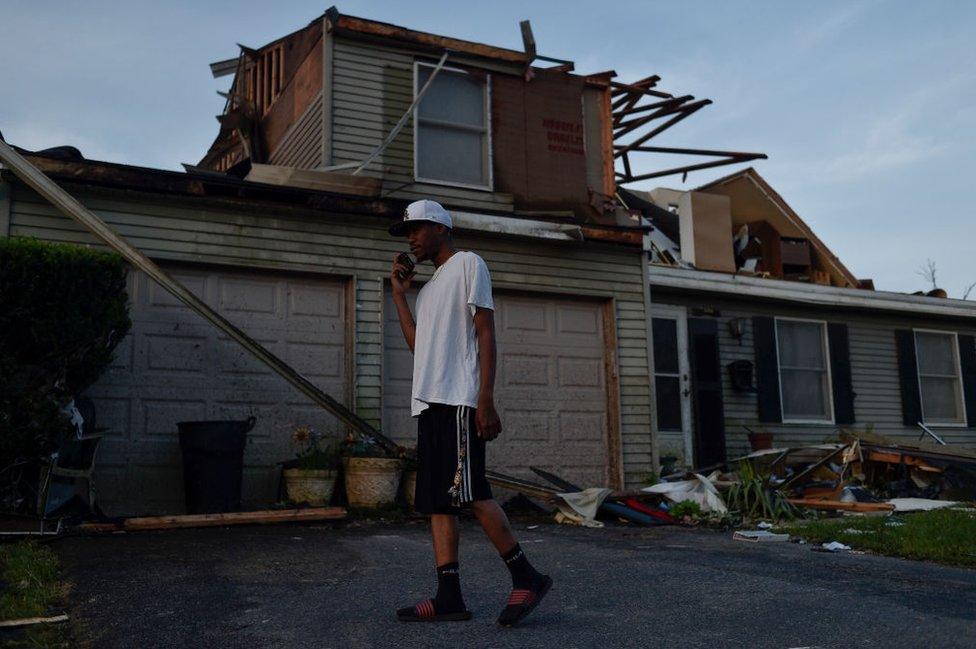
point(324, 181)
point(30, 621)
point(234, 518)
point(841, 505)
point(892, 457)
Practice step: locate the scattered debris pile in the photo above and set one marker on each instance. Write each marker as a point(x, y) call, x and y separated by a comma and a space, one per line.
point(861, 473)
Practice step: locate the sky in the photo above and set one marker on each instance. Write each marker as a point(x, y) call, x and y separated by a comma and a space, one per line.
point(867, 110)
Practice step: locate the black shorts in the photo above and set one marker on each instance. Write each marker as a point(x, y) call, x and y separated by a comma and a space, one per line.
point(450, 460)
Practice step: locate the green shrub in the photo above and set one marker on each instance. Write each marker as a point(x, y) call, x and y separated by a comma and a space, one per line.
point(686, 508)
point(63, 311)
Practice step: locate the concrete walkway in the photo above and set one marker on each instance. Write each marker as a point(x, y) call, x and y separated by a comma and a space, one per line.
point(338, 585)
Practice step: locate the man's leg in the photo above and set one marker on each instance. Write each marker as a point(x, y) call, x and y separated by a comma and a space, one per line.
point(437, 458)
point(528, 585)
point(444, 533)
point(494, 522)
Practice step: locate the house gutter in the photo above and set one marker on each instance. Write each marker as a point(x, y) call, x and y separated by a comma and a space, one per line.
point(808, 294)
point(72, 208)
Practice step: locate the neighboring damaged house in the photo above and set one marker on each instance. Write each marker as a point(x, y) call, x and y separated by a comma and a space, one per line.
point(758, 326)
point(282, 228)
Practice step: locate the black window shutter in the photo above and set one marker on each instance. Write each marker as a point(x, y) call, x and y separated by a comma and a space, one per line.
point(911, 400)
point(967, 362)
point(767, 368)
point(706, 382)
point(840, 373)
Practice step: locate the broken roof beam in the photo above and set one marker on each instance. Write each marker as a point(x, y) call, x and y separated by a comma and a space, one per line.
point(628, 177)
point(669, 107)
point(224, 68)
point(423, 40)
point(683, 111)
point(634, 110)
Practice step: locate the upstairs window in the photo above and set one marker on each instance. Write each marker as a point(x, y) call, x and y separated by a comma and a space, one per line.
point(804, 371)
point(939, 382)
point(451, 129)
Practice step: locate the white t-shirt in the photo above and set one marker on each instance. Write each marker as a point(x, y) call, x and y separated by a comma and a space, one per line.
point(445, 350)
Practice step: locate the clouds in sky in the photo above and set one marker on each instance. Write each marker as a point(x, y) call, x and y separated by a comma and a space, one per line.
point(865, 108)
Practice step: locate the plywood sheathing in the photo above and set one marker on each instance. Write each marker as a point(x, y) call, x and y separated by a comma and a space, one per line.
point(539, 142)
point(706, 226)
point(302, 84)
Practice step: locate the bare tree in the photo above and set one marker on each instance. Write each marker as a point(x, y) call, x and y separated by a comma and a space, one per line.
point(969, 289)
point(927, 272)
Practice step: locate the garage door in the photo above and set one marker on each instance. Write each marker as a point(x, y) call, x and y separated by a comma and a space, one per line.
point(174, 366)
point(550, 387)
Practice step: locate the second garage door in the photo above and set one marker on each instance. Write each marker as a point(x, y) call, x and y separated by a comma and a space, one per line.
point(550, 388)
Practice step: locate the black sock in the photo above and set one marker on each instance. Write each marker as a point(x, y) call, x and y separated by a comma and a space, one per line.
point(448, 598)
point(523, 574)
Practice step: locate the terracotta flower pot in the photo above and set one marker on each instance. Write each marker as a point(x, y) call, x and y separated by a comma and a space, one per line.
point(372, 481)
point(312, 486)
point(761, 441)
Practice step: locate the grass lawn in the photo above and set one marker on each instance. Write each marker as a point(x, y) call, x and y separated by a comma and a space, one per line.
point(944, 536)
point(30, 587)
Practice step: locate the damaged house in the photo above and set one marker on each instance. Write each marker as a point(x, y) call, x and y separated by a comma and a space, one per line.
point(281, 228)
point(633, 327)
point(758, 327)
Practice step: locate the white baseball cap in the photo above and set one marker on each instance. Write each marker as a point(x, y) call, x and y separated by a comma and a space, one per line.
point(425, 210)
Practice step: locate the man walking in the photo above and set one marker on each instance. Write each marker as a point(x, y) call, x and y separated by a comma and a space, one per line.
point(453, 345)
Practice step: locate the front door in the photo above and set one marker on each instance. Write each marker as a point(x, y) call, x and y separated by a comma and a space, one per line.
point(672, 381)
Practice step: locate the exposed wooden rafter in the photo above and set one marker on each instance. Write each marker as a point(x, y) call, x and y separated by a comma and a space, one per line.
point(640, 112)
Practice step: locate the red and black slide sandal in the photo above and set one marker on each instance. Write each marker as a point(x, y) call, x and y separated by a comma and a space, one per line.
point(425, 611)
point(523, 601)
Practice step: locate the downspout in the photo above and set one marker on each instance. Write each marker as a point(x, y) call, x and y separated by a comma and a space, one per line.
point(652, 386)
point(71, 207)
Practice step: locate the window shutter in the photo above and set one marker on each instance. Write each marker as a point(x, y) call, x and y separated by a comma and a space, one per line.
point(911, 400)
point(767, 368)
point(967, 363)
point(706, 381)
point(840, 373)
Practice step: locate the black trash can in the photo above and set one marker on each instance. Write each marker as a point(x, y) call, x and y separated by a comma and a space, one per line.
point(213, 461)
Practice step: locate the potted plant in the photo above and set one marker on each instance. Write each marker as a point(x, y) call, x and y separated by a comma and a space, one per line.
point(372, 477)
point(313, 477)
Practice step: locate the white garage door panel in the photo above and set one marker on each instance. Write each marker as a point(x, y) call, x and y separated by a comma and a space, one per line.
point(550, 387)
point(174, 366)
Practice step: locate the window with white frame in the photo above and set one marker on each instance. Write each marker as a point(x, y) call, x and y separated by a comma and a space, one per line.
point(939, 381)
point(451, 129)
point(804, 370)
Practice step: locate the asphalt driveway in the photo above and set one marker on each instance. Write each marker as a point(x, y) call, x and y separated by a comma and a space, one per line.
point(338, 585)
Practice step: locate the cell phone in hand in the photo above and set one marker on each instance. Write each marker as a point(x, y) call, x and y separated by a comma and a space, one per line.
point(404, 260)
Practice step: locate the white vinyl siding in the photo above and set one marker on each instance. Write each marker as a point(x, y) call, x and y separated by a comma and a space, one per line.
point(452, 131)
point(939, 381)
point(804, 371)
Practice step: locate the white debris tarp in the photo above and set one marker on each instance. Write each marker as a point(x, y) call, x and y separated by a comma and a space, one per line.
point(581, 507)
point(700, 490)
point(920, 504)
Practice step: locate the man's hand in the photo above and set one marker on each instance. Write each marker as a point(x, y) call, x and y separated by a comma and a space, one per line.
point(486, 419)
point(400, 286)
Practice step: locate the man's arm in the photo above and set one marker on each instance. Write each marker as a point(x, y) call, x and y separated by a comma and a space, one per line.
point(486, 418)
point(400, 288)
